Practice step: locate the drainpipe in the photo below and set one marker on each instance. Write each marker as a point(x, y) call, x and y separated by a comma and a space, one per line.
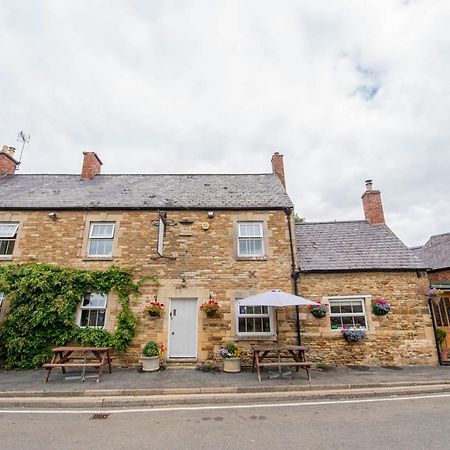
point(294, 272)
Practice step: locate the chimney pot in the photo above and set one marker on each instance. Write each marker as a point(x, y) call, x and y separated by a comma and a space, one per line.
point(278, 167)
point(373, 207)
point(91, 166)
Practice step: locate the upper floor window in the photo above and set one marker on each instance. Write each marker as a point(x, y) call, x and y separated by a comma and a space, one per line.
point(93, 310)
point(254, 320)
point(347, 312)
point(101, 237)
point(250, 239)
point(8, 235)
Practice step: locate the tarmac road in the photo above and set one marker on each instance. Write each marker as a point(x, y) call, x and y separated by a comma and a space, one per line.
point(375, 423)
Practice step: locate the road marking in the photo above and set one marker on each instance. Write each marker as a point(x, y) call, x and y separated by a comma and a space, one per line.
point(219, 407)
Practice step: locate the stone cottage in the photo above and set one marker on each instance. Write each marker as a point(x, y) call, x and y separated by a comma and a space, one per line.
point(220, 237)
point(346, 266)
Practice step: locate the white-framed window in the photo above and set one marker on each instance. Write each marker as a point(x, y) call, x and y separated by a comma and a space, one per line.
point(250, 239)
point(93, 310)
point(101, 237)
point(8, 235)
point(254, 320)
point(2, 297)
point(347, 312)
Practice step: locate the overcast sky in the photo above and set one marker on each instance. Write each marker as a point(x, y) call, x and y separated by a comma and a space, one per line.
point(346, 90)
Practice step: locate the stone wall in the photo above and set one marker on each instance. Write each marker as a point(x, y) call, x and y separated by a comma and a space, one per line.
point(402, 337)
point(201, 263)
point(197, 263)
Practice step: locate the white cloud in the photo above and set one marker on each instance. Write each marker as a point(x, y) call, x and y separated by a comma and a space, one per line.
point(347, 90)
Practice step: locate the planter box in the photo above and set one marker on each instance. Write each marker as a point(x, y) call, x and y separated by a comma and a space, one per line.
point(150, 363)
point(232, 365)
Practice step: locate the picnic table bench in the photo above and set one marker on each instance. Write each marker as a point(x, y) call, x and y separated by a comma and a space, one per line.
point(271, 356)
point(87, 357)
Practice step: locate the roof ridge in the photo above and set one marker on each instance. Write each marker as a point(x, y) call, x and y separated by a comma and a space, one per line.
point(143, 174)
point(333, 221)
point(439, 235)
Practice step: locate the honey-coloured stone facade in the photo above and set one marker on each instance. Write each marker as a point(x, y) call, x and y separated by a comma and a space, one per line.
point(402, 337)
point(196, 263)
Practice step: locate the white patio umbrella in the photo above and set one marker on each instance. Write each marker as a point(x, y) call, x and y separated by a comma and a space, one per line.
point(277, 299)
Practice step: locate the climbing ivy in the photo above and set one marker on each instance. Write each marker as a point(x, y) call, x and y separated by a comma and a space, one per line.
point(44, 299)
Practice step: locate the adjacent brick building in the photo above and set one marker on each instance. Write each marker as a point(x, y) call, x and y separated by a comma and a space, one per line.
point(435, 254)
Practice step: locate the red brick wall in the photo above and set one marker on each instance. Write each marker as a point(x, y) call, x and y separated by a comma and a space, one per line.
point(373, 208)
point(91, 166)
point(278, 167)
point(7, 165)
point(441, 275)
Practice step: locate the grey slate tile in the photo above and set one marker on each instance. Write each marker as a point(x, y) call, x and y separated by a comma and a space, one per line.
point(436, 252)
point(143, 191)
point(352, 245)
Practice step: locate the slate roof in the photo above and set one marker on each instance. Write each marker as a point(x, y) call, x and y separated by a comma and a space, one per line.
point(353, 245)
point(436, 252)
point(255, 191)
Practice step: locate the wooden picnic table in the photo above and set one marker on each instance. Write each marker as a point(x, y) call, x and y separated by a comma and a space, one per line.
point(272, 355)
point(80, 357)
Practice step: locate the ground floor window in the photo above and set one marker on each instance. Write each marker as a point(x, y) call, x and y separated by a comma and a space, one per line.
point(347, 312)
point(2, 297)
point(93, 310)
point(254, 320)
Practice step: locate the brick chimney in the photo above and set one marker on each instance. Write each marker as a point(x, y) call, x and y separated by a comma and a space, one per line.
point(8, 164)
point(91, 166)
point(278, 167)
point(373, 208)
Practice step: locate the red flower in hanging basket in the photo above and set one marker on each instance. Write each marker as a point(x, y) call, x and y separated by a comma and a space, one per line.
point(154, 309)
point(211, 307)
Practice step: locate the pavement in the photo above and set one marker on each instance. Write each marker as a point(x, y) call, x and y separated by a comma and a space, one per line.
point(132, 388)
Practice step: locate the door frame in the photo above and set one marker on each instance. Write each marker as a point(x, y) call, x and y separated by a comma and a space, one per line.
point(169, 340)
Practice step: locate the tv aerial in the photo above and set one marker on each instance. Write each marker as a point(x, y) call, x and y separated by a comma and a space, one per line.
point(24, 138)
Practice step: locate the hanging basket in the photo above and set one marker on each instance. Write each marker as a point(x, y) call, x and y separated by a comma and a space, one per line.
point(318, 311)
point(380, 307)
point(353, 335)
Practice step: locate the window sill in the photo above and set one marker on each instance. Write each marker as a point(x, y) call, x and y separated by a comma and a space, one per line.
point(255, 338)
point(6, 257)
point(251, 258)
point(98, 258)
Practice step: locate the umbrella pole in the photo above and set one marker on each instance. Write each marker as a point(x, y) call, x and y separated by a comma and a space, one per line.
point(276, 324)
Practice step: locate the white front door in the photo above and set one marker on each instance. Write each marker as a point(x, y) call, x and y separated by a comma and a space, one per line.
point(183, 328)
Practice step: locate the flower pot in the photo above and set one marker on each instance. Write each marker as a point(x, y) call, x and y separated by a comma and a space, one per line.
point(232, 365)
point(150, 363)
